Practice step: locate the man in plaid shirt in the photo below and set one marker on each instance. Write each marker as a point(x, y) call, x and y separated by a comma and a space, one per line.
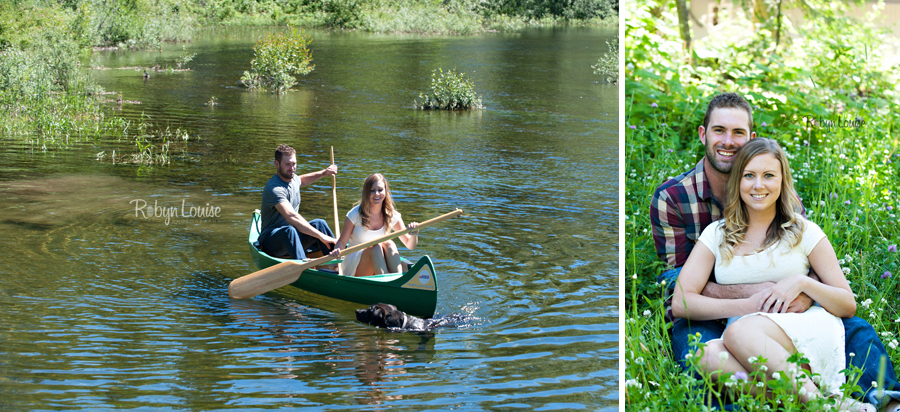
point(683, 206)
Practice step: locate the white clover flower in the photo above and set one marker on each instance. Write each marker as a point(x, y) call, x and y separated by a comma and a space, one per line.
point(852, 354)
point(802, 391)
point(760, 384)
point(874, 384)
point(633, 383)
point(886, 334)
point(866, 303)
point(647, 313)
point(639, 360)
point(846, 271)
point(894, 344)
point(776, 376)
point(688, 356)
point(752, 359)
point(723, 356)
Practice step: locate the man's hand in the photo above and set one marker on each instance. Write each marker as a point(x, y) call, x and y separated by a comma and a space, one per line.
point(328, 240)
point(738, 291)
point(801, 304)
point(312, 177)
point(786, 290)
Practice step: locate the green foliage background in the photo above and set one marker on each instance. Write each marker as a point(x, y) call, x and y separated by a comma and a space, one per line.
point(831, 67)
point(417, 16)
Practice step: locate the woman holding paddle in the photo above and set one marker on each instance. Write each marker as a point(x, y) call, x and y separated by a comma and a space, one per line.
point(372, 217)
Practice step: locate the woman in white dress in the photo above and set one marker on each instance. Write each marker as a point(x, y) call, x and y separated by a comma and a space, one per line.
point(372, 217)
point(762, 239)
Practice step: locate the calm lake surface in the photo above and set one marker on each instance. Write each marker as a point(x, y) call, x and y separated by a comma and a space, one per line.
point(104, 308)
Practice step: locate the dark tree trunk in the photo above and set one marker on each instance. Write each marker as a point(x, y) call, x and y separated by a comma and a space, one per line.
point(685, 28)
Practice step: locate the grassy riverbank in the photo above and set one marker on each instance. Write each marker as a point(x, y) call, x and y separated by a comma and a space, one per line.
point(828, 96)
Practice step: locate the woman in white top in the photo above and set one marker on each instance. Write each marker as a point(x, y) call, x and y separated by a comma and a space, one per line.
point(762, 239)
point(374, 216)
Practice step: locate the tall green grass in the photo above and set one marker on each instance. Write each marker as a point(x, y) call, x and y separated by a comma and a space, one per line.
point(47, 98)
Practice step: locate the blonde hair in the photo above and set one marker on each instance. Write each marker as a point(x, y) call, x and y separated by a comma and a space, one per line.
point(387, 205)
point(786, 225)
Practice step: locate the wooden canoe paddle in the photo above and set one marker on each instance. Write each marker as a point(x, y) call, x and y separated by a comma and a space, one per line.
point(337, 226)
point(288, 272)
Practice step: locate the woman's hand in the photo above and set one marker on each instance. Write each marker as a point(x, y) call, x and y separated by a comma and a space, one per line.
point(778, 298)
point(412, 225)
point(336, 252)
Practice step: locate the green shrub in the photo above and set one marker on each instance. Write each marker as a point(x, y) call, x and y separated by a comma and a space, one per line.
point(449, 91)
point(608, 65)
point(185, 58)
point(410, 16)
point(278, 58)
point(565, 9)
point(343, 13)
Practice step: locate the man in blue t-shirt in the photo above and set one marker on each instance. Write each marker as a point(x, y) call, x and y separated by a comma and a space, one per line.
point(284, 232)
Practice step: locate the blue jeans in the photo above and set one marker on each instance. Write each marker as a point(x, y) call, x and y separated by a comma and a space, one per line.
point(683, 328)
point(860, 339)
point(863, 342)
point(288, 241)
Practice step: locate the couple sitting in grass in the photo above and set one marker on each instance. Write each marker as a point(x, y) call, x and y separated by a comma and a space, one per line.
point(286, 233)
point(735, 233)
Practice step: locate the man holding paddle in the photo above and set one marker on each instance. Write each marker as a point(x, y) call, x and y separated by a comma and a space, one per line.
point(284, 232)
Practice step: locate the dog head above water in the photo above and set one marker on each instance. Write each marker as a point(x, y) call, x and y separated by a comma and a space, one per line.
point(387, 316)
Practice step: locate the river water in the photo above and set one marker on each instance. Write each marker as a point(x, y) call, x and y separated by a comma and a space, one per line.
point(104, 307)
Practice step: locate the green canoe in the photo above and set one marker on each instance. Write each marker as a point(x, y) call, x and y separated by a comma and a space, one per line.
point(414, 291)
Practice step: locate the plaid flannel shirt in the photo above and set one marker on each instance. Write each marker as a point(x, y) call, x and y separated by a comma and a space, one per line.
point(681, 208)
